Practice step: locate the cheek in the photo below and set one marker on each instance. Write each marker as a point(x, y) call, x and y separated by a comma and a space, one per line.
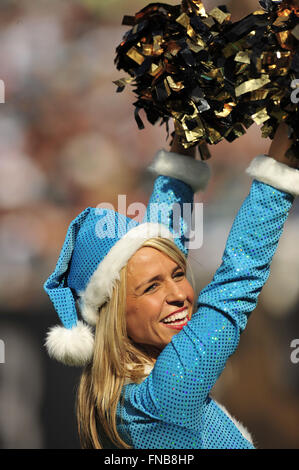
point(190, 295)
point(189, 291)
point(143, 311)
point(131, 315)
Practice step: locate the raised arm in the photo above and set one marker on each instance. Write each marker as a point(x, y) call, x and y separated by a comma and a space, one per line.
point(178, 177)
point(190, 364)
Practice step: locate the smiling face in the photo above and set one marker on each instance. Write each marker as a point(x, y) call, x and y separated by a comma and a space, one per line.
point(157, 287)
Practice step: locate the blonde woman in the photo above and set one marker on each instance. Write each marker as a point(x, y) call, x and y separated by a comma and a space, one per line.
point(156, 352)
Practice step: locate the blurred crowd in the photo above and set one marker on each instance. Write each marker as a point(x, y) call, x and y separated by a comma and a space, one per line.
point(68, 141)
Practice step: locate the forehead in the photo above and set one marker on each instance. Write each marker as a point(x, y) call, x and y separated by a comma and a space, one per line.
point(149, 261)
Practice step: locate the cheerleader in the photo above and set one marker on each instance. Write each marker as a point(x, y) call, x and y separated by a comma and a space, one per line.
point(152, 352)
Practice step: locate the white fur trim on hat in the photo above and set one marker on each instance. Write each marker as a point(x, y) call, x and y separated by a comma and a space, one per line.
point(276, 174)
point(72, 347)
point(100, 286)
point(195, 173)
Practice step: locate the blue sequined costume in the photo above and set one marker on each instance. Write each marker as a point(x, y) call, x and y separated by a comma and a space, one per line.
point(171, 408)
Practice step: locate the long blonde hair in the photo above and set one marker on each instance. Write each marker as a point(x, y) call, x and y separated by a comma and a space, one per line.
point(116, 358)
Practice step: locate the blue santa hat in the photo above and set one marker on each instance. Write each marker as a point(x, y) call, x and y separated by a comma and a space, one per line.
point(98, 243)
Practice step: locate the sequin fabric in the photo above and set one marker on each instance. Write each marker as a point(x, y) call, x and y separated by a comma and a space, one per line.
point(171, 203)
point(89, 238)
point(172, 407)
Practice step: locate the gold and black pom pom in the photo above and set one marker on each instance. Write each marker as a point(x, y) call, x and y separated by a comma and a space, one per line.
point(215, 78)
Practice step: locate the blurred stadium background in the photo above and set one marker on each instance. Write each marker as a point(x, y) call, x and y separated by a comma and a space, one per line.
point(68, 141)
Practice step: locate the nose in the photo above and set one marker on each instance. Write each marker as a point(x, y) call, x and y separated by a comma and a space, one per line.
point(175, 294)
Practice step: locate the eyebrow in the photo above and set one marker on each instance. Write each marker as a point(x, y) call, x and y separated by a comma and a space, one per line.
point(156, 278)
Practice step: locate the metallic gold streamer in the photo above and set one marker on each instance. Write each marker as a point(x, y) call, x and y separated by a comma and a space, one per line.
point(261, 116)
point(258, 95)
point(157, 43)
point(295, 32)
point(183, 20)
point(219, 15)
point(251, 85)
point(173, 85)
point(266, 130)
point(135, 55)
point(123, 81)
point(243, 56)
point(227, 109)
point(155, 69)
point(196, 47)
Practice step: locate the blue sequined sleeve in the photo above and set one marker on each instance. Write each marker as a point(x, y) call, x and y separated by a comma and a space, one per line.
point(190, 364)
point(172, 199)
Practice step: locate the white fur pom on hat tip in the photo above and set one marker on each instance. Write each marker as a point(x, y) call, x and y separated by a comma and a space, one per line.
point(71, 346)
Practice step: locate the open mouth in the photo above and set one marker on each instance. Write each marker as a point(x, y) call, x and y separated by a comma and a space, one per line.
point(177, 320)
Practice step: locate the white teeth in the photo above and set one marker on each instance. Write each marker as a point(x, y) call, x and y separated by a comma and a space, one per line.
point(176, 316)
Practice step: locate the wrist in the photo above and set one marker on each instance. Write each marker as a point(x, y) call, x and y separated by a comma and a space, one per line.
point(193, 172)
point(292, 162)
point(274, 173)
point(177, 147)
point(280, 146)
